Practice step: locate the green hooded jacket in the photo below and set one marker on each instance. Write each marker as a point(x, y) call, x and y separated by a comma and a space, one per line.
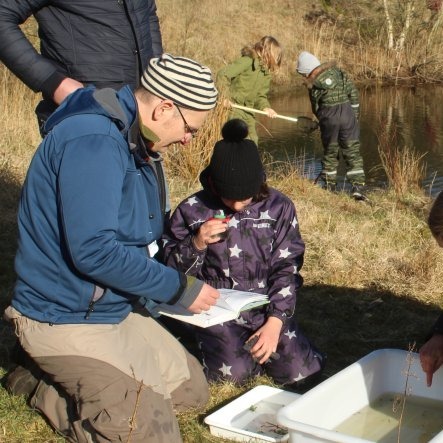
point(246, 81)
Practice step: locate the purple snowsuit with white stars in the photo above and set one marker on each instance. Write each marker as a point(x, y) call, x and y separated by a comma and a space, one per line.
point(263, 253)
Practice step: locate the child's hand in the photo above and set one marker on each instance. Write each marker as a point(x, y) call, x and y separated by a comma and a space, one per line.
point(209, 232)
point(314, 125)
point(271, 113)
point(268, 336)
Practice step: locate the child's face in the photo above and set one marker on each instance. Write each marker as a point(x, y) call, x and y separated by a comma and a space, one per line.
point(236, 205)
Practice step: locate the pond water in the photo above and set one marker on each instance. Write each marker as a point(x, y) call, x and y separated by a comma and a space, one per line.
point(414, 114)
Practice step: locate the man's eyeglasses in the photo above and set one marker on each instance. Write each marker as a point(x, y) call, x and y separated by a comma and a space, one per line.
point(188, 129)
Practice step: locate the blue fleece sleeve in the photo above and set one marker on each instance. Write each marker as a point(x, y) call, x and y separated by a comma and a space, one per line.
point(91, 182)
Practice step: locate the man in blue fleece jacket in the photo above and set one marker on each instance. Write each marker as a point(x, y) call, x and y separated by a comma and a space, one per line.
point(91, 210)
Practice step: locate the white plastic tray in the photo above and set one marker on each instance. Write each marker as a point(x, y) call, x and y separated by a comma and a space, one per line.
point(314, 416)
point(252, 417)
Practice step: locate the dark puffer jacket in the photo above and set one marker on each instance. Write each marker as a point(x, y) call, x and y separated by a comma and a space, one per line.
point(107, 43)
point(263, 251)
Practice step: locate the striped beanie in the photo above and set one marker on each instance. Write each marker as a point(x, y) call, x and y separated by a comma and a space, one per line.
point(182, 80)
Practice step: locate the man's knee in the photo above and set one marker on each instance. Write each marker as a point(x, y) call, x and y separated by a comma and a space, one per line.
point(141, 416)
point(104, 402)
point(192, 393)
point(144, 417)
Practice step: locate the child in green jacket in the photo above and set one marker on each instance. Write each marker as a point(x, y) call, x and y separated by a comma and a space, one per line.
point(247, 80)
point(335, 102)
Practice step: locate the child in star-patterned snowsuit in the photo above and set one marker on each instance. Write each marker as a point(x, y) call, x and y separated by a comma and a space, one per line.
point(263, 252)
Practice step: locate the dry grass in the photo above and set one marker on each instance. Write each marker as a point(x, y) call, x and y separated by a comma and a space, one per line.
point(372, 271)
point(385, 243)
point(353, 34)
point(18, 123)
point(368, 267)
point(403, 166)
point(186, 162)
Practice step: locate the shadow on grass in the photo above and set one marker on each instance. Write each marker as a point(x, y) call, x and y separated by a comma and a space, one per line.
point(345, 323)
point(348, 323)
point(10, 193)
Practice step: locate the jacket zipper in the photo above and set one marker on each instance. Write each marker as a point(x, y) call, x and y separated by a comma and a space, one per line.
point(98, 293)
point(138, 61)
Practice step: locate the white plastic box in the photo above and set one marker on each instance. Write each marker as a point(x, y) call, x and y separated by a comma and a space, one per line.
point(313, 417)
point(252, 417)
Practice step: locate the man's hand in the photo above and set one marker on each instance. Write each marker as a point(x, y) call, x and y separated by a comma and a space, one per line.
point(205, 299)
point(67, 86)
point(431, 356)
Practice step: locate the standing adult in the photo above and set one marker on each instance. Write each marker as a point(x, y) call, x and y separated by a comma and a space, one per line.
point(106, 43)
point(89, 212)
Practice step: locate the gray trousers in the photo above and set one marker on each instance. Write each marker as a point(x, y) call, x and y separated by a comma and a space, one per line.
point(340, 133)
point(112, 383)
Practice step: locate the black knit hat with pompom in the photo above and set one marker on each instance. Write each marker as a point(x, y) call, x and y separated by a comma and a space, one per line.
point(235, 170)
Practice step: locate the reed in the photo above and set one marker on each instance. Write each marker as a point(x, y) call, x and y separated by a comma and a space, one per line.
point(186, 162)
point(404, 168)
point(400, 401)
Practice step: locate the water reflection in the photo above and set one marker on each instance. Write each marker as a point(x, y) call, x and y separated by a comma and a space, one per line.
point(414, 113)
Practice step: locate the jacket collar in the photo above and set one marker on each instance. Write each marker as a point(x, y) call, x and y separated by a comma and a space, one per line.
point(313, 76)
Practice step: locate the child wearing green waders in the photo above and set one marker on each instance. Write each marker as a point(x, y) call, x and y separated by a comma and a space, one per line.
point(335, 102)
point(246, 81)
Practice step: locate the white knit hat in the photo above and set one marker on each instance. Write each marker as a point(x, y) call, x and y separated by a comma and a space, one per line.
point(307, 62)
point(182, 80)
